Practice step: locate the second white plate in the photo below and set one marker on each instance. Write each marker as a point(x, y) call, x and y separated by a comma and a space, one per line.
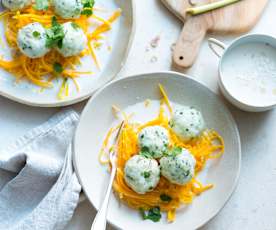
point(97, 118)
point(119, 38)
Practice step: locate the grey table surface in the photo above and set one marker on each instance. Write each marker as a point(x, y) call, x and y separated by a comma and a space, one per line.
point(253, 205)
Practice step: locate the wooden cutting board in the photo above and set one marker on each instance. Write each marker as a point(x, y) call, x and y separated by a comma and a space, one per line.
point(236, 18)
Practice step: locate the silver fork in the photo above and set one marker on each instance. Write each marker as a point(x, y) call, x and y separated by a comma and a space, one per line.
point(99, 222)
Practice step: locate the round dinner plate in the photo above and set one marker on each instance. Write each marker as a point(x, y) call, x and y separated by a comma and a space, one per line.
point(97, 118)
point(112, 55)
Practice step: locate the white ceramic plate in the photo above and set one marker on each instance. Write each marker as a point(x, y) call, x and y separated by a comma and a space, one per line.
point(97, 118)
point(119, 38)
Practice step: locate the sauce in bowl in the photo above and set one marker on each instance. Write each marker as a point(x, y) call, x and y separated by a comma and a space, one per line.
point(249, 73)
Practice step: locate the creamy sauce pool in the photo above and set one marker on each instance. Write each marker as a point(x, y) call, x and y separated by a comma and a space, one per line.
point(249, 73)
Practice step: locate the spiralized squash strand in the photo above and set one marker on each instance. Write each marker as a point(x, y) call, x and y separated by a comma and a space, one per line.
point(165, 97)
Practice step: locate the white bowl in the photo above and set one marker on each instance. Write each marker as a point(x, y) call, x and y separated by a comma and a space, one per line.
point(97, 118)
point(240, 75)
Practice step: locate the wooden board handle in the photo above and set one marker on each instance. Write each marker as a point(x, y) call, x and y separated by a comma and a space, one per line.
point(188, 44)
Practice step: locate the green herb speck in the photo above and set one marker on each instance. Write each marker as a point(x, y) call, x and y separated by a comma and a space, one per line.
point(55, 34)
point(36, 34)
point(146, 174)
point(174, 151)
point(87, 7)
point(153, 214)
point(57, 67)
point(165, 198)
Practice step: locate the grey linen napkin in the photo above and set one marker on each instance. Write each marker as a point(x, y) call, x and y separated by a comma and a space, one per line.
point(38, 187)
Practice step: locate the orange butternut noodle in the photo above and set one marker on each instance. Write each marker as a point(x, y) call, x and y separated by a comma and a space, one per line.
point(208, 146)
point(40, 71)
point(165, 97)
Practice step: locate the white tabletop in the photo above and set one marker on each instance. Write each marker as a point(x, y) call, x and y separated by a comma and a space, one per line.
point(253, 205)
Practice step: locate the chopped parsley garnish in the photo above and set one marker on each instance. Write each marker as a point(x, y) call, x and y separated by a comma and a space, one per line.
point(174, 151)
point(55, 34)
point(145, 152)
point(87, 7)
point(153, 214)
point(57, 67)
point(59, 44)
point(146, 174)
point(55, 22)
point(36, 34)
point(145, 149)
point(165, 198)
point(41, 4)
point(75, 25)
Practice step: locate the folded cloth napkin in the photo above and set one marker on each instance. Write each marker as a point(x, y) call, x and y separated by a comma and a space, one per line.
point(38, 187)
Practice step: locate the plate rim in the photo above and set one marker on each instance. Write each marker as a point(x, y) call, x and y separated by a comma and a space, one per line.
point(155, 74)
point(89, 94)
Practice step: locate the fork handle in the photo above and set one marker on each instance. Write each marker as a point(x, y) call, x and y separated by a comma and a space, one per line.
point(100, 219)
